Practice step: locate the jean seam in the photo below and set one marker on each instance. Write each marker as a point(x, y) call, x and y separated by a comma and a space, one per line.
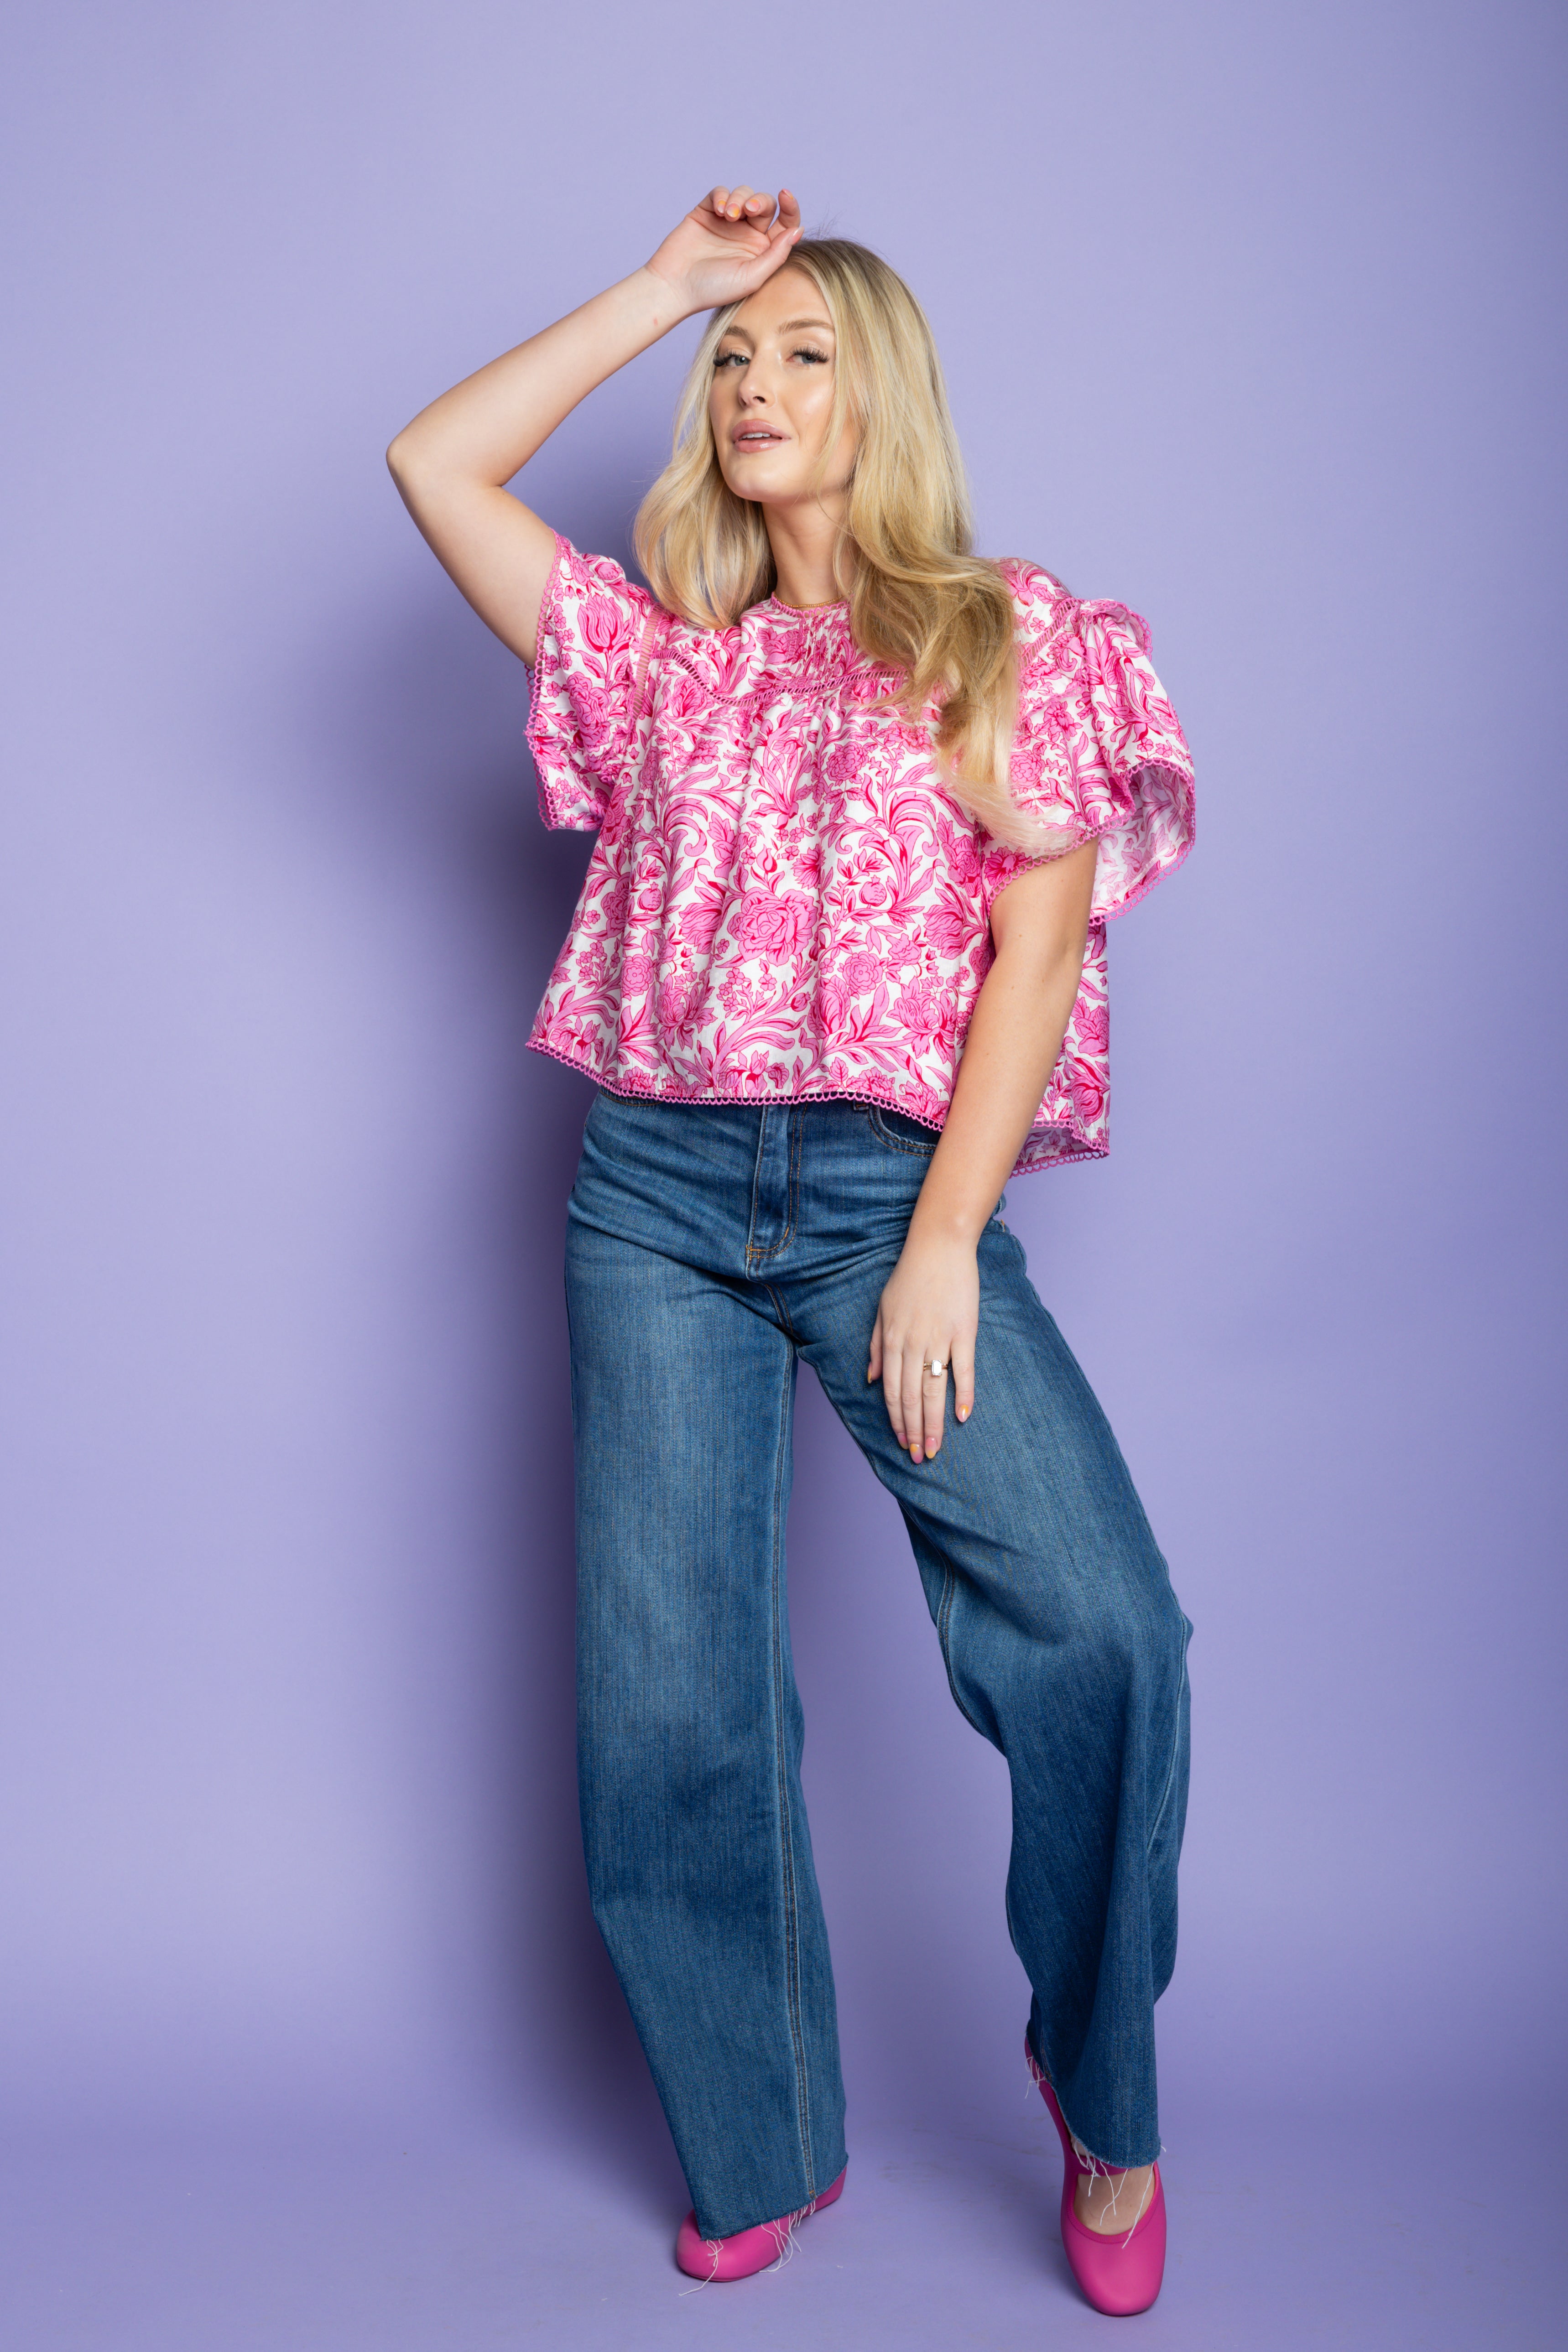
point(756, 1257)
point(1175, 1751)
point(786, 1825)
point(782, 1313)
point(756, 1186)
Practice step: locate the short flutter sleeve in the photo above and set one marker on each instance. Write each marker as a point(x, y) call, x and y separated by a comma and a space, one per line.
point(596, 633)
point(1098, 750)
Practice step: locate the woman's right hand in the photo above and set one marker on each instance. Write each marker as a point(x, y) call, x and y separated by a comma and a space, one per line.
point(727, 244)
point(453, 463)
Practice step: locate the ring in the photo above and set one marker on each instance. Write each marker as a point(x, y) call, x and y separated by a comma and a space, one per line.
point(938, 1369)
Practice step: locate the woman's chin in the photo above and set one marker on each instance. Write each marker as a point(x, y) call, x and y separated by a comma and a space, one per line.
point(763, 483)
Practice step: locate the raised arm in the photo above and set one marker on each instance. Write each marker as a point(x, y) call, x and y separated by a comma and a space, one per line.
point(930, 1310)
point(453, 462)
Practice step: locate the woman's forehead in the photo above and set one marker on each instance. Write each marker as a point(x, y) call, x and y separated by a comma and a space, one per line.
point(789, 300)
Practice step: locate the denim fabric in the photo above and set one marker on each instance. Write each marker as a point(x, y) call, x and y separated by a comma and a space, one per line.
point(710, 1246)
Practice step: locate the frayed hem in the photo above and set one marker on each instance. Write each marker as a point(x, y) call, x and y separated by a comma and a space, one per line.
point(1095, 2166)
point(785, 2235)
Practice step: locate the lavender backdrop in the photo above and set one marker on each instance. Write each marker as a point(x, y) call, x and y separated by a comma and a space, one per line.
point(1253, 318)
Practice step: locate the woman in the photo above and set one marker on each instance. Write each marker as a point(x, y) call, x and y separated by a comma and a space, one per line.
point(864, 804)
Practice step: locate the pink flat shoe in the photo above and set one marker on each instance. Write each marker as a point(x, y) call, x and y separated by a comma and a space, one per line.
point(748, 2249)
point(1120, 2271)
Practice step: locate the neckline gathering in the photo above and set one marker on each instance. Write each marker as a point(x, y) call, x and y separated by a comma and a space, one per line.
point(802, 612)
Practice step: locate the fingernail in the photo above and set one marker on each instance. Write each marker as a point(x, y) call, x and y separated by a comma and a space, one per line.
point(964, 1412)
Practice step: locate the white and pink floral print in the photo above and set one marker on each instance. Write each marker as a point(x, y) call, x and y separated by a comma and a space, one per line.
point(783, 903)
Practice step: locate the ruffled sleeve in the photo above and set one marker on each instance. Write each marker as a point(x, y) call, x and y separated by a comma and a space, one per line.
point(1098, 752)
point(589, 681)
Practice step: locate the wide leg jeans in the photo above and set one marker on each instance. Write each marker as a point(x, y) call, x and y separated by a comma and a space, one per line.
point(710, 1247)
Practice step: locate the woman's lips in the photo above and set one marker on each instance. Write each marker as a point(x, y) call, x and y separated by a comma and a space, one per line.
point(756, 437)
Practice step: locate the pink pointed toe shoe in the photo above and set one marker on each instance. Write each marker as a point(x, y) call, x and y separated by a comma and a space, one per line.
point(748, 2249)
point(1120, 2271)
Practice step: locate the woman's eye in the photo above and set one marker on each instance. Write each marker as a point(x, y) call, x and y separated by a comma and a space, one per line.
point(807, 352)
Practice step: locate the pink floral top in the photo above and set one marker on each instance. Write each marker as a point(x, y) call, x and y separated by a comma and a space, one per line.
point(783, 903)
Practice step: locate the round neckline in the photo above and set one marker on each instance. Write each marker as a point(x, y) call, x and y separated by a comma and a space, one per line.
point(808, 612)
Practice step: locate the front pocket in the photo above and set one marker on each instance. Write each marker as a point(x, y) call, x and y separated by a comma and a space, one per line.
point(899, 1132)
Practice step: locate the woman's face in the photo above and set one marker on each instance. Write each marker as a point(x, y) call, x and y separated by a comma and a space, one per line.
point(773, 396)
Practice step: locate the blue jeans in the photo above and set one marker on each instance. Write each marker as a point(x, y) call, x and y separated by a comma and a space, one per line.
point(710, 1246)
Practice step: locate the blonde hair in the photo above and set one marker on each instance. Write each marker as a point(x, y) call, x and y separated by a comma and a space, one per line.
point(919, 600)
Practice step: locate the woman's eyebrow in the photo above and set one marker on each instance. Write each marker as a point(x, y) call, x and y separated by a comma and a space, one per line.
point(787, 327)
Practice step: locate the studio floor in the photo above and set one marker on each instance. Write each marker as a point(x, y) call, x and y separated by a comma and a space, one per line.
point(423, 2241)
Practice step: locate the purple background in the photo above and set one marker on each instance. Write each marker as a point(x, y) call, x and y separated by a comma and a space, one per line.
point(1252, 317)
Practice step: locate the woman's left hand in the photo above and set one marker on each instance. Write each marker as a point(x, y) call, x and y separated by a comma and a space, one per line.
point(928, 1313)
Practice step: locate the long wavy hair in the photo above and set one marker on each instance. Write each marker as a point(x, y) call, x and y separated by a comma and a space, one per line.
point(920, 600)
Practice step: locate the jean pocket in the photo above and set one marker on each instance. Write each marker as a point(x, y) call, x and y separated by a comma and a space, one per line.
point(899, 1132)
